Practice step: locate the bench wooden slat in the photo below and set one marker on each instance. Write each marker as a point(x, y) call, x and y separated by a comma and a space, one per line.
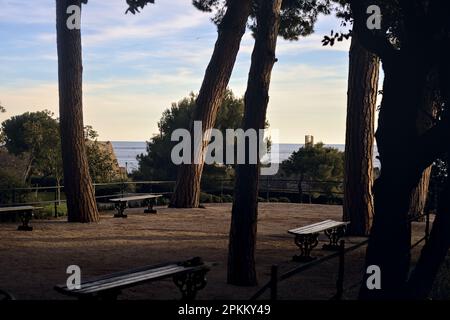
point(318, 227)
point(136, 198)
point(131, 275)
point(17, 209)
point(120, 283)
point(124, 279)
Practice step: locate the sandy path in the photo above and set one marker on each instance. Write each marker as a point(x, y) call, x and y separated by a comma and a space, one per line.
point(33, 262)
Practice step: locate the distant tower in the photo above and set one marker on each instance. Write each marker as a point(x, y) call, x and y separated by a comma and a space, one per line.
point(309, 141)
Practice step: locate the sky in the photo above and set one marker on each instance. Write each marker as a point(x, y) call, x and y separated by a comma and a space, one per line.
point(135, 67)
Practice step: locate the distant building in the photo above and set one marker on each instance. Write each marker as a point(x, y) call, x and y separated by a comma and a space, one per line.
point(309, 141)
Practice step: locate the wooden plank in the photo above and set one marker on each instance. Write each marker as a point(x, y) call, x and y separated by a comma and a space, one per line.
point(18, 209)
point(129, 275)
point(136, 198)
point(318, 227)
point(130, 278)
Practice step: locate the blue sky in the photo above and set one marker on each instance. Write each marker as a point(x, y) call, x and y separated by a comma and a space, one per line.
point(136, 66)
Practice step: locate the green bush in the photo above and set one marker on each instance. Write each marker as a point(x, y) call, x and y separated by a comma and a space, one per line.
point(10, 181)
point(48, 212)
point(206, 198)
point(261, 199)
point(163, 201)
point(226, 198)
point(273, 199)
point(284, 199)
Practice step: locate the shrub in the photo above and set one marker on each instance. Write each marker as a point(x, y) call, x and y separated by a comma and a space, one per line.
point(205, 198)
point(284, 199)
point(48, 212)
point(10, 181)
point(226, 198)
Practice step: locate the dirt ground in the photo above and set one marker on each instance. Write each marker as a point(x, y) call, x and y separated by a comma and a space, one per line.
point(31, 263)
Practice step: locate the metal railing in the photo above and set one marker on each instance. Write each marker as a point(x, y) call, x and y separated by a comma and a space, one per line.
point(118, 188)
point(275, 278)
point(269, 188)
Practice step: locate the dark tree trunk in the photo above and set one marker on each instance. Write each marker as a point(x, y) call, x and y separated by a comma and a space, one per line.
point(78, 187)
point(425, 120)
point(438, 245)
point(419, 196)
point(390, 240)
point(215, 82)
point(361, 106)
point(404, 154)
point(241, 254)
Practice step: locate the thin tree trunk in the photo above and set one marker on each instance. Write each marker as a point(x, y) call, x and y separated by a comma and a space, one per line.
point(361, 106)
point(215, 82)
point(78, 187)
point(241, 254)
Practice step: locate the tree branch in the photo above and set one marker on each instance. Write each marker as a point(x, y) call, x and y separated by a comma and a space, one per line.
point(377, 44)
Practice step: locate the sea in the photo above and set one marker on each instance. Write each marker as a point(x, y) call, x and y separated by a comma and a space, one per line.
point(127, 151)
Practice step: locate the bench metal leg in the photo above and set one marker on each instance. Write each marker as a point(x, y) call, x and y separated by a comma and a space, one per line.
point(25, 217)
point(334, 235)
point(120, 207)
point(306, 243)
point(190, 283)
point(150, 208)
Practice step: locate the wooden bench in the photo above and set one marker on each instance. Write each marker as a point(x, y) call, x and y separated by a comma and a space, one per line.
point(189, 276)
point(121, 203)
point(307, 237)
point(25, 213)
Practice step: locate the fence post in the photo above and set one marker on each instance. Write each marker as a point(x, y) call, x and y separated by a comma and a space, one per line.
point(427, 226)
point(274, 283)
point(56, 203)
point(340, 279)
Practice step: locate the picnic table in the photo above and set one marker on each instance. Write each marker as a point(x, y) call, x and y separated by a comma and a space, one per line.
point(121, 203)
point(25, 213)
point(307, 237)
point(189, 276)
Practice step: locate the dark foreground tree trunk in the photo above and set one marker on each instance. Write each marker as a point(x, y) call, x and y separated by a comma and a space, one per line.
point(215, 82)
point(78, 187)
point(426, 119)
point(390, 240)
point(241, 254)
point(361, 106)
point(438, 245)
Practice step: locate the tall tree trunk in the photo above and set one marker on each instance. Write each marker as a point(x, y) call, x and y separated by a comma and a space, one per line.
point(390, 237)
point(241, 254)
point(438, 245)
point(419, 196)
point(425, 120)
point(78, 187)
point(361, 106)
point(215, 82)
